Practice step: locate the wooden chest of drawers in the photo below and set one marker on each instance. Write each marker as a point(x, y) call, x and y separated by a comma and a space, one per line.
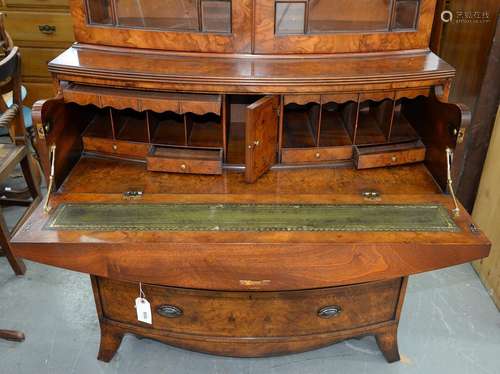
point(42, 29)
point(196, 319)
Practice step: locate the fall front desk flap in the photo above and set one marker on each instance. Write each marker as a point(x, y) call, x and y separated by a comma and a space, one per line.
point(216, 245)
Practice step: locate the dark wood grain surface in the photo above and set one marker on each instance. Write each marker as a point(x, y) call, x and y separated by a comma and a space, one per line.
point(230, 74)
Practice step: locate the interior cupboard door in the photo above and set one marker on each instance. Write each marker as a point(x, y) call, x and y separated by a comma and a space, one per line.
point(261, 137)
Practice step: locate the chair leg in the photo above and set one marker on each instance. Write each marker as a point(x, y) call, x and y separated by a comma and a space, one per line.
point(17, 264)
point(14, 336)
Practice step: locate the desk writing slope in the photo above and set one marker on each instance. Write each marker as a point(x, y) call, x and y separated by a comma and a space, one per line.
point(251, 217)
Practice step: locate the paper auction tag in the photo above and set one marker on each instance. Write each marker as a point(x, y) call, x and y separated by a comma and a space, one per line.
point(143, 309)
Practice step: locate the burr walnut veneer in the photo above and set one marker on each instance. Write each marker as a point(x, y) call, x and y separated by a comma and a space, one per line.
point(268, 172)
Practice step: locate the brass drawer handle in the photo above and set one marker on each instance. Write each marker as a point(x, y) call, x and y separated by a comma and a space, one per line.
point(169, 311)
point(47, 29)
point(329, 311)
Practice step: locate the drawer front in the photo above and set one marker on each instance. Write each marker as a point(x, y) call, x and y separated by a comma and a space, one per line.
point(184, 166)
point(256, 314)
point(38, 3)
point(381, 156)
point(117, 147)
point(189, 161)
point(34, 61)
point(40, 27)
point(303, 155)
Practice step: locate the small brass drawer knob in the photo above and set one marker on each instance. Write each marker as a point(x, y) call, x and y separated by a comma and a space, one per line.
point(183, 167)
point(115, 147)
point(169, 311)
point(318, 155)
point(254, 144)
point(394, 158)
point(47, 29)
point(329, 311)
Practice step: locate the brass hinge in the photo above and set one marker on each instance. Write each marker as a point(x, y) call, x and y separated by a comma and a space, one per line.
point(133, 194)
point(40, 130)
point(371, 195)
point(460, 136)
point(52, 160)
point(449, 161)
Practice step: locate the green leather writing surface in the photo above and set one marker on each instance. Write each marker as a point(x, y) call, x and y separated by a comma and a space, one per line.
point(250, 217)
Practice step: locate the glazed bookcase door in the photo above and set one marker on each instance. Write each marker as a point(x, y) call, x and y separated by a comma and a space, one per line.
point(219, 26)
point(261, 137)
point(336, 26)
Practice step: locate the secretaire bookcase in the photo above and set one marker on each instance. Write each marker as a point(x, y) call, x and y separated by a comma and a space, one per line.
point(266, 174)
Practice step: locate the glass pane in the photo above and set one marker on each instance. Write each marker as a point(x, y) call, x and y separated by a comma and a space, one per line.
point(216, 16)
point(154, 14)
point(405, 16)
point(348, 15)
point(290, 17)
point(99, 12)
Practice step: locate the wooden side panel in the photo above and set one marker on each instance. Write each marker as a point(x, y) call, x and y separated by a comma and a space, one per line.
point(261, 137)
point(487, 215)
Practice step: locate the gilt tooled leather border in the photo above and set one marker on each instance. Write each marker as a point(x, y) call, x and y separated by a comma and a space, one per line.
point(251, 217)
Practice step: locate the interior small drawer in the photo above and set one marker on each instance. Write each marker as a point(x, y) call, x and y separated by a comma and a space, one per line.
point(306, 155)
point(388, 155)
point(254, 314)
point(185, 160)
point(115, 147)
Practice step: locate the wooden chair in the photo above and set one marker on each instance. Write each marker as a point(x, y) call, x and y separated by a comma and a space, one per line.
point(11, 93)
point(12, 155)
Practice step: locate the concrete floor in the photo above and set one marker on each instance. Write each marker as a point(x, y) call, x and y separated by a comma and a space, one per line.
point(449, 325)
